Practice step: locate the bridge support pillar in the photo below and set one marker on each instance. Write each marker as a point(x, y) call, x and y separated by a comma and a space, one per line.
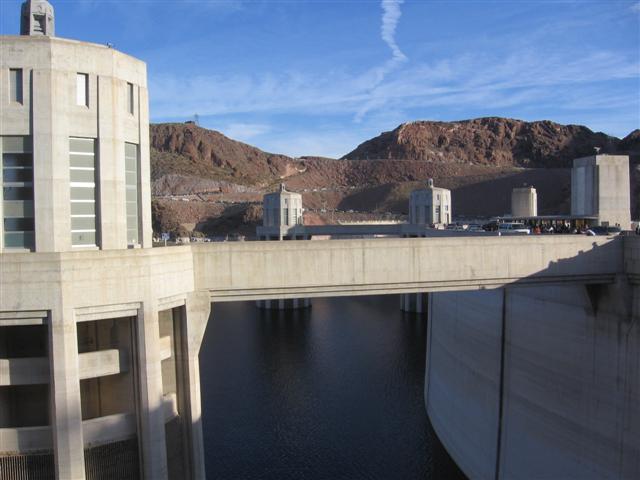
point(152, 438)
point(65, 393)
point(284, 304)
point(197, 312)
point(414, 302)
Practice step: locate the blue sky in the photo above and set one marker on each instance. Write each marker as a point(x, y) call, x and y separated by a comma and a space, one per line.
point(319, 77)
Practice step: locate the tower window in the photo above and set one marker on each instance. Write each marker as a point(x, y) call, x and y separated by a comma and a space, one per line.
point(82, 171)
point(17, 193)
point(132, 175)
point(82, 89)
point(130, 102)
point(15, 85)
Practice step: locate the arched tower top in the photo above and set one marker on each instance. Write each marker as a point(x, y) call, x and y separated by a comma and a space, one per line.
point(37, 18)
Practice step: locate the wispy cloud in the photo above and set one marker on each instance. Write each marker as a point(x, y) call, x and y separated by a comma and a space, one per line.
point(528, 75)
point(465, 78)
point(635, 7)
point(245, 131)
point(390, 17)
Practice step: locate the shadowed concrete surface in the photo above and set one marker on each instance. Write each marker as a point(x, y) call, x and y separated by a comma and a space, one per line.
point(539, 381)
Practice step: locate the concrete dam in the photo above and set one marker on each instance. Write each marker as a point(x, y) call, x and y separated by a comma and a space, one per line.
point(533, 367)
point(533, 345)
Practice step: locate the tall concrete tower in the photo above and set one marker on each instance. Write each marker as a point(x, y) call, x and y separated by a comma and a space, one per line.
point(75, 142)
point(37, 18)
point(431, 205)
point(281, 216)
point(282, 220)
point(600, 188)
point(98, 363)
point(524, 202)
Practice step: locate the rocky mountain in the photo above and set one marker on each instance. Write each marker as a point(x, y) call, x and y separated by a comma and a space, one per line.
point(630, 144)
point(205, 181)
point(187, 149)
point(487, 141)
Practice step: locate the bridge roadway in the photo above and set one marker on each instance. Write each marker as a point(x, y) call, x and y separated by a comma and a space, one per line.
point(233, 271)
point(258, 270)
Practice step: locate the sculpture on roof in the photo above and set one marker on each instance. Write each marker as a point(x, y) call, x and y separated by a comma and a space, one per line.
point(37, 18)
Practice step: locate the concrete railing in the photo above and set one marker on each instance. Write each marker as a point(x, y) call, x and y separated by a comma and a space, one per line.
point(25, 439)
point(107, 429)
point(24, 371)
point(35, 371)
point(102, 363)
point(96, 431)
point(165, 348)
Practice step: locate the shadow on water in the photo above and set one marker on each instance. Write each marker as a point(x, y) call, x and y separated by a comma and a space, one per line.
point(331, 392)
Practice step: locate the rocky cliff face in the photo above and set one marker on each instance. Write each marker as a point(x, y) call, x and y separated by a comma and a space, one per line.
point(487, 141)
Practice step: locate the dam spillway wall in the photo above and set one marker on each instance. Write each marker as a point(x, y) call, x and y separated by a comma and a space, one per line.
point(537, 381)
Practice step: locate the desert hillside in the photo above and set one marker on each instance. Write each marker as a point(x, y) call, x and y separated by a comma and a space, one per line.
point(487, 141)
point(204, 181)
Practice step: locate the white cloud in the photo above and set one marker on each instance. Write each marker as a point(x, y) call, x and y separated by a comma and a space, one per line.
point(390, 17)
point(245, 131)
point(635, 7)
point(475, 79)
point(311, 142)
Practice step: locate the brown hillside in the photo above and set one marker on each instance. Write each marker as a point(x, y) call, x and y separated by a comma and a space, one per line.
point(201, 152)
point(487, 141)
point(205, 181)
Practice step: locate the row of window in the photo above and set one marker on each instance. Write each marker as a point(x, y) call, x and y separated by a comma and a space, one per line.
point(16, 94)
point(424, 214)
point(271, 216)
point(18, 198)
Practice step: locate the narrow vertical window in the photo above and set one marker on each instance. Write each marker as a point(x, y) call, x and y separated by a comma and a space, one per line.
point(130, 98)
point(15, 85)
point(82, 176)
point(82, 89)
point(17, 193)
point(132, 174)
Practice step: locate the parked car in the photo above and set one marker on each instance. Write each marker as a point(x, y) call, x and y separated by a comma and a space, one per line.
point(602, 230)
point(513, 227)
point(475, 227)
point(492, 226)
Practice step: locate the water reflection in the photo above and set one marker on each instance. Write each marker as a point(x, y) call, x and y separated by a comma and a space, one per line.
point(327, 393)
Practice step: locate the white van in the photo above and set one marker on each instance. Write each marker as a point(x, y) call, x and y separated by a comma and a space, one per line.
point(513, 227)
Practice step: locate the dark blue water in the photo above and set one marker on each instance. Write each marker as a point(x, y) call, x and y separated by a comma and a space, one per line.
point(333, 392)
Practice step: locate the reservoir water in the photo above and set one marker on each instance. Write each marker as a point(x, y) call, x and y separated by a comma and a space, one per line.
point(331, 392)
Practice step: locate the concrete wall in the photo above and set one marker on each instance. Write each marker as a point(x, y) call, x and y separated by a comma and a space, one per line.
point(538, 382)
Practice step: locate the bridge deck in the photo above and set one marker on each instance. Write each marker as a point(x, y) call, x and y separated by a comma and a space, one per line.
point(262, 270)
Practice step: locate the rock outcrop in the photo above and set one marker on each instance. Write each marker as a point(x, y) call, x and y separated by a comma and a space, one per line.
point(487, 141)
